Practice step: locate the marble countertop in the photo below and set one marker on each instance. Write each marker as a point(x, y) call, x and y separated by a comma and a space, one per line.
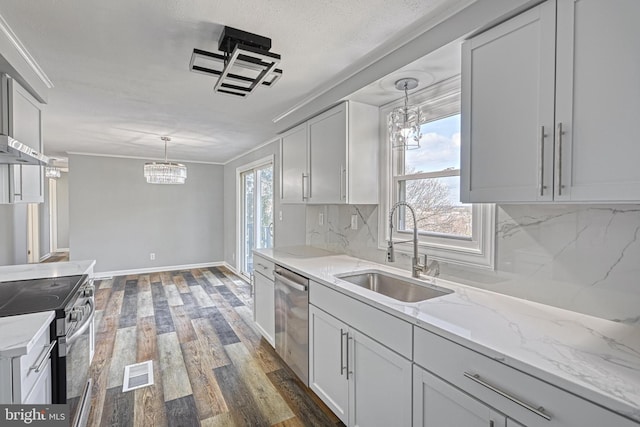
point(594, 358)
point(38, 271)
point(17, 333)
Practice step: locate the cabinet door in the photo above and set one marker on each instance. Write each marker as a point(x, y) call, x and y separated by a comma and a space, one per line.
point(327, 361)
point(294, 179)
point(328, 156)
point(508, 110)
point(379, 384)
point(598, 100)
point(40, 394)
point(439, 404)
point(25, 125)
point(264, 307)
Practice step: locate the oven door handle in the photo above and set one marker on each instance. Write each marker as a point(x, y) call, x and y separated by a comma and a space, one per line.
point(80, 330)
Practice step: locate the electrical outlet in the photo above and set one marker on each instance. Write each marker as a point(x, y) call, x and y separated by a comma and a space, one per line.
point(321, 218)
point(152, 256)
point(280, 215)
point(354, 221)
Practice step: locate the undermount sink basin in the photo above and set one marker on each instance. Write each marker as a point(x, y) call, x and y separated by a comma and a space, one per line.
point(396, 287)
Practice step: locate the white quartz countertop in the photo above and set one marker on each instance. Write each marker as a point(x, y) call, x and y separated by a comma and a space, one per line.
point(38, 271)
point(18, 333)
point(594, 358)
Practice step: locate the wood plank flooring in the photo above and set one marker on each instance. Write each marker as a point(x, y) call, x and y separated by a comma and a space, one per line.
point(211, 366)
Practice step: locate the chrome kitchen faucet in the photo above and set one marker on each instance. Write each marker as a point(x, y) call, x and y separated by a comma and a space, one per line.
point(416, 267)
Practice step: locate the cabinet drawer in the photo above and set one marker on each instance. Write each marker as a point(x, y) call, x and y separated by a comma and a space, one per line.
point(514, 393)
point(24, 367)
point(382, 327)
point(263, 266)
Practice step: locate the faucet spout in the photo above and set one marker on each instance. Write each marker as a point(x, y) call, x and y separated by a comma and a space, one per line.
point(416, 267)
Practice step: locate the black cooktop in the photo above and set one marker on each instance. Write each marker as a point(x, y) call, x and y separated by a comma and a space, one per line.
point(31, 296)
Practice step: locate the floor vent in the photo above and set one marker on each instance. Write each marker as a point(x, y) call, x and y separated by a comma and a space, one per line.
point(138, 375)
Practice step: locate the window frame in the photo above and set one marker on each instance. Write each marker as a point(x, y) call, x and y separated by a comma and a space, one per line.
point(443, 100)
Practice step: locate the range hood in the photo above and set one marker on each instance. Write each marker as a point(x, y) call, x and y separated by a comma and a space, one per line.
point(14, 152)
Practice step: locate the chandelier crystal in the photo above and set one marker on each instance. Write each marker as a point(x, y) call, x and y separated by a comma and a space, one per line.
point(405, 121)
point(52, 172)
point(165, 172)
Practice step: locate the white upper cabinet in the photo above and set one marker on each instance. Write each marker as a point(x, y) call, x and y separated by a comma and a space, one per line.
point(328, 141)
point(294, 176)
point(598, 100)
point(547, 115)
point(22, 120)
point(332, 158)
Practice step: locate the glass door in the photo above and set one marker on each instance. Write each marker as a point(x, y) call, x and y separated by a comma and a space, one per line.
point(257, 213)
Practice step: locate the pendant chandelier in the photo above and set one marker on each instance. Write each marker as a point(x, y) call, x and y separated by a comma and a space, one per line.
point(405, 121)
point(52, 172)
point(165, 172)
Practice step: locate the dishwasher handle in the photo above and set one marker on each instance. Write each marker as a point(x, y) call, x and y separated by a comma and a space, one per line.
point(288, 282)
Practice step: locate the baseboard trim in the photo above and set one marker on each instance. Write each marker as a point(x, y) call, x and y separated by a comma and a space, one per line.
point(105, 274)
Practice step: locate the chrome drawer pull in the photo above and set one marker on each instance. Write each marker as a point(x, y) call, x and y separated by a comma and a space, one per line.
point(538, 411)
point(40, 364)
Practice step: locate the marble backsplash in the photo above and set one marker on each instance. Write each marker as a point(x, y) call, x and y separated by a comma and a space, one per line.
point(583, 258)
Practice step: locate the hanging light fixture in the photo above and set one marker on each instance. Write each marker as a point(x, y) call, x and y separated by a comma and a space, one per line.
point(244, 64)
point(52, 172)
point(405, 121)
point(165, 172)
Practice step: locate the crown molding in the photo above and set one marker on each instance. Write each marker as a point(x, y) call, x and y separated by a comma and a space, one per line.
point(24, 53)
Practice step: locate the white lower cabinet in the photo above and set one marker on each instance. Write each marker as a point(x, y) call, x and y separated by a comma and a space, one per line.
point(363, 382)
point(26, 379)
point(264, 307)
point(437, 403)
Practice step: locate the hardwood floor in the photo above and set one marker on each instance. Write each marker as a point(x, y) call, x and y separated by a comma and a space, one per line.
point(211, 367)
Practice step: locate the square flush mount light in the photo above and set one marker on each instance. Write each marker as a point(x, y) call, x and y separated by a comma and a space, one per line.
point(244, 64)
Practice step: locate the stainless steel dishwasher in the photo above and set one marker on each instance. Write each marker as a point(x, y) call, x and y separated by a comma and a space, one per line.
point(292, 320)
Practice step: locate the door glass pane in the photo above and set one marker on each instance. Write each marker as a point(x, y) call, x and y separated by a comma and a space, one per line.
point(248, 221)
point(264, 208)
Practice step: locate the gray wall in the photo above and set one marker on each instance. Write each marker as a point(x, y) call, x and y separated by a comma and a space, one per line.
point(287, 232)
point(44, 221)
point(6, 235)
point(62, 205)
point(117, 218)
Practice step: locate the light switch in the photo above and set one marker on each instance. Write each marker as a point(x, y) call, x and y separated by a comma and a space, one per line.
point(354, 221)
point(321, 218)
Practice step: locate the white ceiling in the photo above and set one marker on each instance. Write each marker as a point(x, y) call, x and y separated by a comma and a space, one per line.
point(121, 77)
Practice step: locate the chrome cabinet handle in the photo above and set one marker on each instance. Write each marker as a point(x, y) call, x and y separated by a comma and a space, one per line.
point(264, 267)
point(343, 183)
point(348, 370)
point(41, 362)
point(342, 334)
point(542, 137)
point(305, 196)
point(538, 411)
point(252, 280)
point(560, 133)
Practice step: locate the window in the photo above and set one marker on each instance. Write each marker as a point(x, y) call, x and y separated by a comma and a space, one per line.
point(428, 179)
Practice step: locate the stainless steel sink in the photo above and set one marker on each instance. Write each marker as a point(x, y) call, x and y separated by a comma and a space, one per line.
point(396, 287)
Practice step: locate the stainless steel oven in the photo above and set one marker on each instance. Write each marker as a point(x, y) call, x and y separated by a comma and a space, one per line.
point(76, 352)
point(292, 320)
point(72, 300)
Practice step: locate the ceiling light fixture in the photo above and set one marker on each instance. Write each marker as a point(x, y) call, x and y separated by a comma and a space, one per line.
point(165, 172)
point(245, 64)
point(52, 172)
point(405, 121)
